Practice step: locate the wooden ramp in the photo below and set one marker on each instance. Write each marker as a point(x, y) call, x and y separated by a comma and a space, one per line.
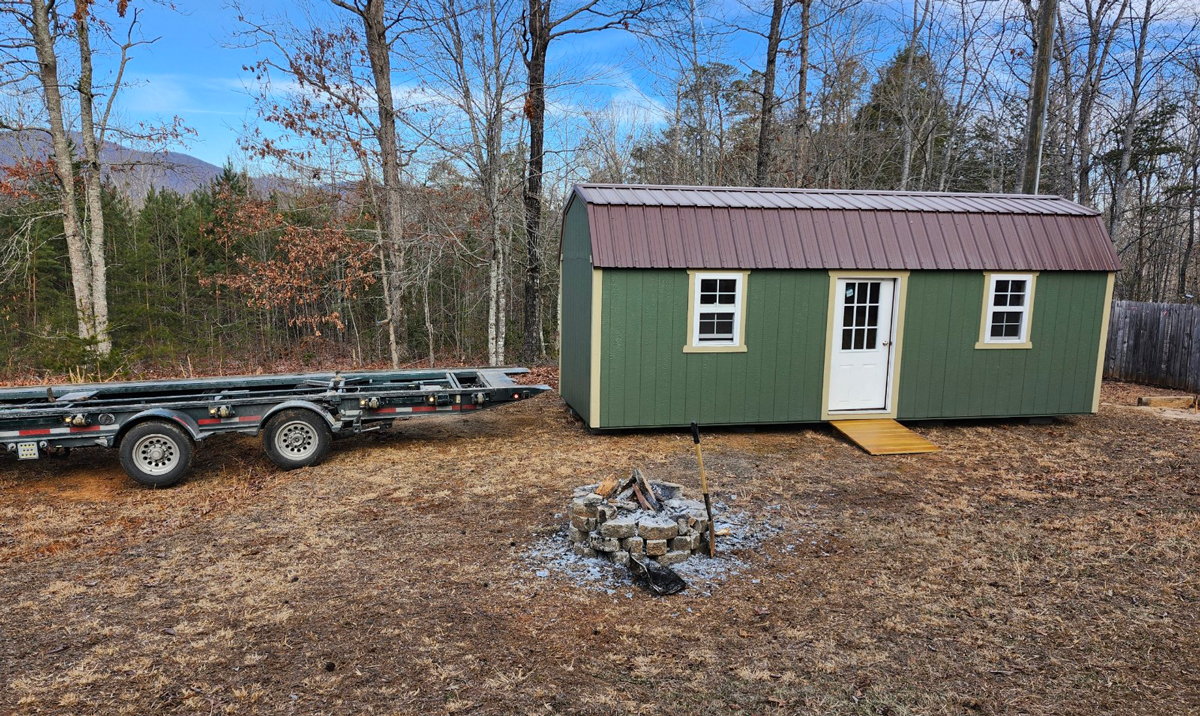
point(883, 436)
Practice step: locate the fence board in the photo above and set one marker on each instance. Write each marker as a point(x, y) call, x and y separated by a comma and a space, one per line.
point(1154, 343)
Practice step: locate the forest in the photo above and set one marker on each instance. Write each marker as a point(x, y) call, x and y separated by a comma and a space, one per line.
point(396, 196)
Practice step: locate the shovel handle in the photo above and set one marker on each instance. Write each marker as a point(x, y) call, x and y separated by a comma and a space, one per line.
point(695, 433)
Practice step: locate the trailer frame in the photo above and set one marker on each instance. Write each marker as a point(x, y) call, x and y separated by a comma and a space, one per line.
point(48, 420)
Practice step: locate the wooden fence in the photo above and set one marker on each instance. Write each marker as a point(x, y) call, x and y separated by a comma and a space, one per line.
point(1154, 343)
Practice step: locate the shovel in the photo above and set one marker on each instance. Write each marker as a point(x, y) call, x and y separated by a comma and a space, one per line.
point(712, 528)
point(661, 580)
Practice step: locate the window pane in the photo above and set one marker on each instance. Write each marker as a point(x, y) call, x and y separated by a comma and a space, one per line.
point(1006, 324)
point(725, 324)
point(872, 335)
point(1017, 286)
point(1000, 299)
point(848, 316)
point(727, 285)
point(708, 299)
point(726, 299)
point(708, 285)
point(863, 292)
point(873, 316)
point(1016, 299)
point(860, 316)
point(859, 336)
point(847, 338)
point(850, 293)
point(875, 293)
point(1002, 286)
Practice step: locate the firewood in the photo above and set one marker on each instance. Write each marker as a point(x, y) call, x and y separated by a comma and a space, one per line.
point(646, 490)
point(642, 499)
point(608, 486)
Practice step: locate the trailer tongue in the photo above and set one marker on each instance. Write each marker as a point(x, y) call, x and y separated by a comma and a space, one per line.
point(156, 424)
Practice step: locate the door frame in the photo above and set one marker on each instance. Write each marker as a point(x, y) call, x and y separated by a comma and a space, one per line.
point(899, 301)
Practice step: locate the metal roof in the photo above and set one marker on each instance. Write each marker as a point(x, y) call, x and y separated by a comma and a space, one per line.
point(749, 228)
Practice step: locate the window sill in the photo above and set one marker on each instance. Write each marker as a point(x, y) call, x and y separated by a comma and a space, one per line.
point(714, 349)
point(991, 346)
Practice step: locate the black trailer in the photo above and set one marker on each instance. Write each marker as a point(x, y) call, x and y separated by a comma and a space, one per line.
point(156, 424)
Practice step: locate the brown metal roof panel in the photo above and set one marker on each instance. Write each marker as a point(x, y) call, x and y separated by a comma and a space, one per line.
point(779, 244)
point(655, 237)
point(992, 254)
point(912, 248)
point(673, 238)
point(955, 251)
point(600, 245)
point(1075, 240)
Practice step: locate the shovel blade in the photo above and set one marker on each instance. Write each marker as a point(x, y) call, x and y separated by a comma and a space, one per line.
point(661, 580)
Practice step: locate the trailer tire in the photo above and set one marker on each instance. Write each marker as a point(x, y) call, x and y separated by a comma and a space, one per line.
point(156, 454)
point(297, 438)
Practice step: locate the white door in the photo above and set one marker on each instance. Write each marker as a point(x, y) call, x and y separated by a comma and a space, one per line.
point(861, 360)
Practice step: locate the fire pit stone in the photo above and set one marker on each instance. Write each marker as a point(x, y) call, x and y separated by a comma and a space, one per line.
point(617, 518)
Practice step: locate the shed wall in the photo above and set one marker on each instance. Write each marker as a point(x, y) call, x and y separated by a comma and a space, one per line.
point(646, 379)
point(944, 376)
point(575, 362)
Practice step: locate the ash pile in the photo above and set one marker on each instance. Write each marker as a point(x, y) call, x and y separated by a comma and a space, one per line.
point(645, 518)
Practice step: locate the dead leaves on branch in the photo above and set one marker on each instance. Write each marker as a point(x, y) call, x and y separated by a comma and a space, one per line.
point(302, 269)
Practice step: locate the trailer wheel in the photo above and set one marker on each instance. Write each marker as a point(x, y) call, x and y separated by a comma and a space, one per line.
point(156, 454)
point(296, 438)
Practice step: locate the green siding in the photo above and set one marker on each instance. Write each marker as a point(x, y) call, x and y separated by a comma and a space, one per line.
point(943, 375)
point(576, 335)
point(647, 380)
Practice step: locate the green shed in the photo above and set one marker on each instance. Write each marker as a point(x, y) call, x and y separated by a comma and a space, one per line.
point(740, 306)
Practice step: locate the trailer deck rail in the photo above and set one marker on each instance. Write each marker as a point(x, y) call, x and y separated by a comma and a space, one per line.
point(156, 423)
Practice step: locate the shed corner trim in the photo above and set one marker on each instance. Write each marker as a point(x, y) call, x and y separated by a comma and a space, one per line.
point(597, 315)
point(1108, 294)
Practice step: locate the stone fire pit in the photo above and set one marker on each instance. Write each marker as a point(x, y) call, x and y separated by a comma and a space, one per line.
point(617, 518)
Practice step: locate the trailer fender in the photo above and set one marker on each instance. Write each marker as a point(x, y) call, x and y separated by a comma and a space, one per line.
point(172, 416)
point(334, 424)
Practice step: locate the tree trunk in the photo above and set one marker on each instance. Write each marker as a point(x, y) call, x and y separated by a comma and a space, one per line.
point(762, 166)
point(379, 53)
point(92, 184)
point(535, 110)
point(1035, 128)
point(1122, 178)
point(64, 169)
point(800, 151)
point(1097, 57)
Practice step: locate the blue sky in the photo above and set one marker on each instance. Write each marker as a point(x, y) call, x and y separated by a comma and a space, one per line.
point(195, 72)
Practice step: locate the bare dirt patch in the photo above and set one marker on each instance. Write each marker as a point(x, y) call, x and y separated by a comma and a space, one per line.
point(1043, 569)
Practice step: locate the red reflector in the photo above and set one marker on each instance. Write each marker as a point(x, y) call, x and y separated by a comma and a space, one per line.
point(516, 397)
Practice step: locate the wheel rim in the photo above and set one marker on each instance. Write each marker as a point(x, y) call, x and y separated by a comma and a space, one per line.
point(156, 454)
point(296, 440)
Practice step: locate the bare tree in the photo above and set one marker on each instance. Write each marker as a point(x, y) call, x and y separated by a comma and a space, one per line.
point(542, 26)
point(471, 58)
point(763, 160)
point(42, 28)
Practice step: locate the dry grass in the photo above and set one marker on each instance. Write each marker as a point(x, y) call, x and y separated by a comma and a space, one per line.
point(1025, 569)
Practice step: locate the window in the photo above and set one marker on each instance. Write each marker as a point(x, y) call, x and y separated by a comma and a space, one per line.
point(716, 308)
point(1007, 308)
point(860, 316)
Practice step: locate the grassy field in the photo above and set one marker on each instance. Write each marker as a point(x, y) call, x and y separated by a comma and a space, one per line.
point(1042, 569)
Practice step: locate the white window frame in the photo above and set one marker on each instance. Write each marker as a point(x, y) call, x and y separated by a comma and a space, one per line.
point(986, 340)
point(738, 342)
